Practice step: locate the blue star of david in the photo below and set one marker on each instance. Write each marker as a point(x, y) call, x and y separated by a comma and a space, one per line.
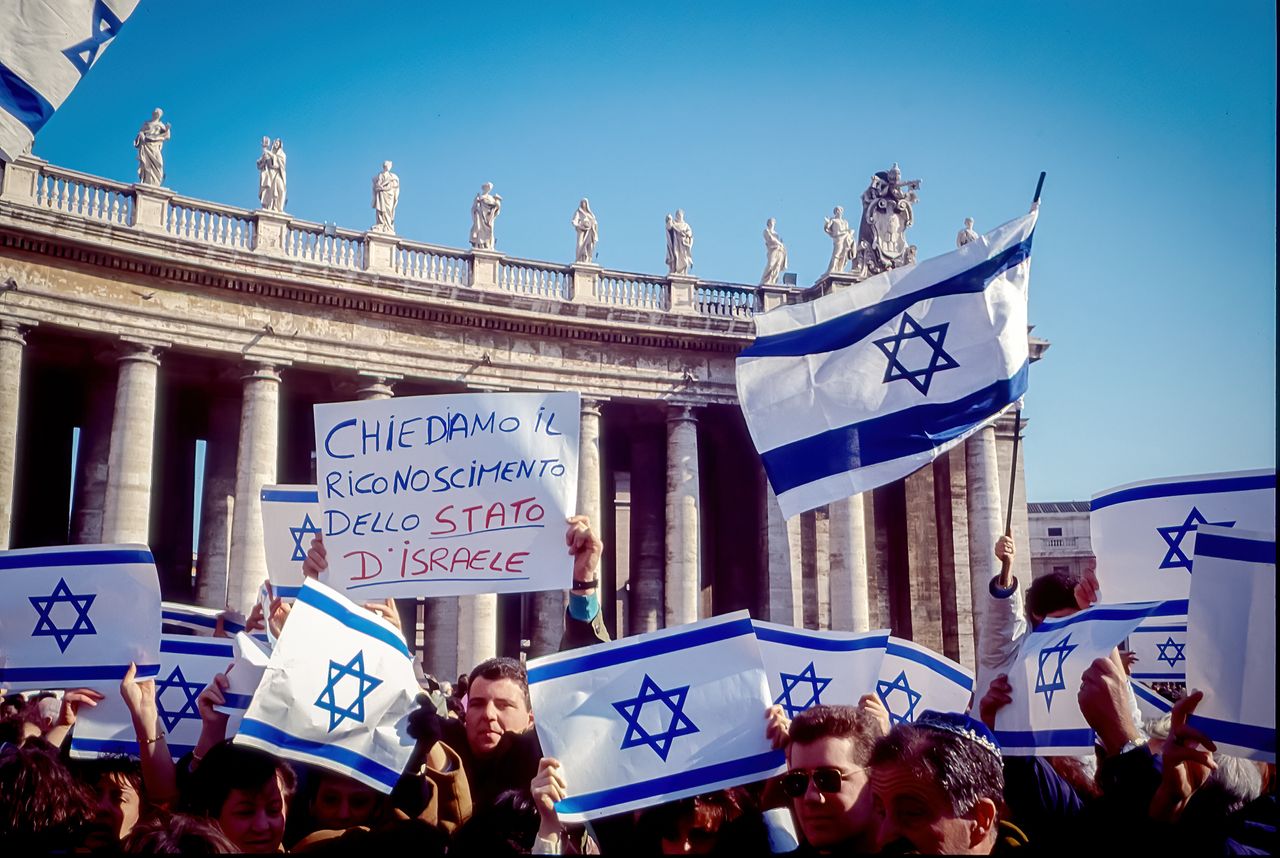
point(354, 710)
point(808, 676)
point(938, 361)
point(1175, 557)
point(307, 526)
point(637, 735)
point(1171, 644)
point(885, 690)
point(105, 27)
point(44, 625)
point(190, 691)
point(1061, 650)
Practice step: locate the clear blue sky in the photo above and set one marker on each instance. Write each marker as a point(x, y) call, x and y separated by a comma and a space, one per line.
point(1155, 259)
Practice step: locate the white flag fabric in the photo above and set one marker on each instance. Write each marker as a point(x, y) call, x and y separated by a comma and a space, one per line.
point(75, 616)
point(914, 679)
point(1231, 641)
point(808, 668)
point(1144, 534)
point(1152, 705)
point(1161, 648)
point(337, 692)
point(187, 664)
point(291, 518)
point(177, 616)
point(862, 387)
point(46, 46)
point(1044, 718)
point(251, 659)
point(656, 717)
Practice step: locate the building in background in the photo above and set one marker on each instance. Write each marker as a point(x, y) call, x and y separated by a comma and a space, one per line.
point(1059, 532)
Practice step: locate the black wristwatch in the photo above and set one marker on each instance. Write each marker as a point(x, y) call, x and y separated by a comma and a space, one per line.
point(586, 585)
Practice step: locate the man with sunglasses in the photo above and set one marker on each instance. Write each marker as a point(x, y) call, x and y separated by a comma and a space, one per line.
point(827, 779)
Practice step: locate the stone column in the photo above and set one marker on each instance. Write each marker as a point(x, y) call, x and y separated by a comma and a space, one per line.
point(217, 507)
point(783, 564)
point(683, 574)
point(255, 467)
point(982, 481)
point(126, 514)
point(440, 638)
point(93, 460)
point(850, 607)
point(648, 530)
point(477, 629)
point(12, 342)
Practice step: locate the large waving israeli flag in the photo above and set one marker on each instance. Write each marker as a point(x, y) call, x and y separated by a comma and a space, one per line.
point(1044, 718)
point(76, 616)
point(1161, 648)
point(1144, 534)
point(810, 668)
point(861, 387)
point(187, 665)
point(914, 679)
point(46, 46)
point(337, 691)
point(1231, 640)
point(653, 718)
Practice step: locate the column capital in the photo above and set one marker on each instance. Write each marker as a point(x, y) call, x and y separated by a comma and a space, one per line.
point(591, 405)
point(14, 331)
point(139, 350)
point(376, 385)
point(258, 370)
point(681, 413)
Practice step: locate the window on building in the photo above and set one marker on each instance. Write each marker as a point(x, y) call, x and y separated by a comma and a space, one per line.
point(1055, 531)
point(1061, 570)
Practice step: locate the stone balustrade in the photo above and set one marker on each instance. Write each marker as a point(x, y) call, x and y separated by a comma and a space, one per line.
point(432, 264)
point(639, 291)
point(325, 245)
point(207, 223)
point(541, 279)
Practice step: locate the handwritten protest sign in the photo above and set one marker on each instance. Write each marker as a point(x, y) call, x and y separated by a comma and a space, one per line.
point(290, 519)
point(447, 495)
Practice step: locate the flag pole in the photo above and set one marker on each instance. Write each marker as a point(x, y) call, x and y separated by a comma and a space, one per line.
point(1017, 418)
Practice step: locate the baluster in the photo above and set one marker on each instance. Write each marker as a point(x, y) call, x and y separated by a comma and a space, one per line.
point(79, 194)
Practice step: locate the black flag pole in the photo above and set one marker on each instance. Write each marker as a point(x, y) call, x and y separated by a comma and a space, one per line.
point(1017, 420)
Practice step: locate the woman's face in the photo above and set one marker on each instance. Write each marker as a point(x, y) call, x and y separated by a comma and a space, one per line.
point(253, 819)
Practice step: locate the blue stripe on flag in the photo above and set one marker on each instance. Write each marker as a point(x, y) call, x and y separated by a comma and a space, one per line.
point(644, 649)
point(189, 619)
point(1240, 735)
point(236, 701)
point(75, 558)
point(21, 100)
point(692, 779)
point(75, 674)
point(1111, 613)
point(844, 331)
point(1178, 628)
point(1235, 548)
point(1193, 487)
point(333, 753)
point(290, 495)
point(198, 646)
point(1151, 698)
point(363, 624)
point(890, 436)
point(820, 643)
point(930, 662)
point(283, 592)
point(1044, 738)
point(124, 746)
point(1161, 677)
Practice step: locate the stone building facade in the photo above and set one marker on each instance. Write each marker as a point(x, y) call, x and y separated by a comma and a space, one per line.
point(150, 321)
point(1059, 537)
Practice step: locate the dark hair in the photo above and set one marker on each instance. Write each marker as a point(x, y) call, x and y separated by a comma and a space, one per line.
point(229, 766)
point(177, 834)
point(711, 812)
point(837, 722)
point(42, 807)
point(1051, 592)
point(118, 767)
point(963, 769)
point(508, 826)
point(493, 669)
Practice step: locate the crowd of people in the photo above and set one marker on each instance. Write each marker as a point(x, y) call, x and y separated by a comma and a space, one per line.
point(478, 782)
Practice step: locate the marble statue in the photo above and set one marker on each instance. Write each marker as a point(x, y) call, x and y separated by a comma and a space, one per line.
point(967, 234)
point(679, 244)
point(484, 211)
point(775, 255)
point(588, 229)
point(150, 146)
point(272, 179)
point(886, 215)
point(841, 240)
point(386, 196)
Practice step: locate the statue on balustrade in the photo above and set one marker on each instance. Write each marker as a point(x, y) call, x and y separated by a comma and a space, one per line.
point(775, 255)
point(271, 175)
point(886, 215)
point(386, 196)
point(484, 211)
point(967, 234)
point(679, 244)
point(150, 146)
point(842, 249)
point(584, 222)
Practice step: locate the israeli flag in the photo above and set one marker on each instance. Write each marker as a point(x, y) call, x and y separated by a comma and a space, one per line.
point(337, 692)
point(809, 668)
point(75, 616)
point(656, 717)
point(187, 665)
point(1231, 641)
point(1044, 718)
point(245, 674)
point(914, 679)
point(1152, 705)
point(291, 518)
point(1144, 534)
point(178, 617)
point(864, 386)
point(46, 46)
point(1161, 648)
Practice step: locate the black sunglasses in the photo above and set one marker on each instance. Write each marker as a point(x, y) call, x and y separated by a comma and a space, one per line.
point(826, 779)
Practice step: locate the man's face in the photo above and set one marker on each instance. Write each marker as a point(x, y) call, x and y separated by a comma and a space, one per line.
point(494, 707)
point(914, 810)
point(254, 819)
point(828, 818)
point(343, 803)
